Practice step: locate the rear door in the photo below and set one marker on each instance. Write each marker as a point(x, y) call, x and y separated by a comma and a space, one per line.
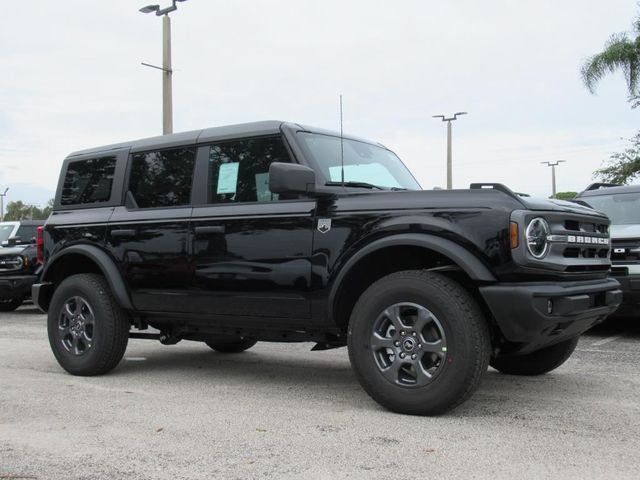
point(251, 248)
point(148, 236)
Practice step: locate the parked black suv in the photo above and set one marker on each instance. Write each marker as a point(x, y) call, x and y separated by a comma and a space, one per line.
point(18, 262)
point(621, 203)
point(279, 232)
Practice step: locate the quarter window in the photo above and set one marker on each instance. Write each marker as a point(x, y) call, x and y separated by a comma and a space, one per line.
point(88, 181)
point(239, 170)
point(162, 178)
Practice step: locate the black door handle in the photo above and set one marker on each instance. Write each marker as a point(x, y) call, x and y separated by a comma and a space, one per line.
point(209, 229)
point(127, 233)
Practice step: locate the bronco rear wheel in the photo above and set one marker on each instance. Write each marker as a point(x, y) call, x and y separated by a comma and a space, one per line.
point(538, 362)
point(418, 342)
point(88, 331)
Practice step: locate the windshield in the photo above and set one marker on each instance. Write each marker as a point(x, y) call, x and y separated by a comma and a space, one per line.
point(5, 231)
point(622, 209)
point(363, 162)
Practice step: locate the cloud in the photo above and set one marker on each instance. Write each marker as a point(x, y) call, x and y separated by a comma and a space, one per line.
point(72, 79)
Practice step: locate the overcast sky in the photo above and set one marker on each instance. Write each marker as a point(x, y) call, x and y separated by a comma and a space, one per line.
point(71, 78)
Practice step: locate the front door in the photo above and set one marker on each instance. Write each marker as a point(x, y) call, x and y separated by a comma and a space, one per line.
point(251, 248)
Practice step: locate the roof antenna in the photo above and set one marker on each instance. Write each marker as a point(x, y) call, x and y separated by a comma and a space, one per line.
point(341, 146)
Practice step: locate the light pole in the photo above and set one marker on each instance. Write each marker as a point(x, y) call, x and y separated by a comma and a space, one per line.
point(167, 72)
point(553, 166)
point(449, 159)
point(2, 195)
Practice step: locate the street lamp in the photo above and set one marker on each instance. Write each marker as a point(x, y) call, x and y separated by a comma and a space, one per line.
point(449, 159)
point(2, 195)
point(167, 94)
point(553, 166)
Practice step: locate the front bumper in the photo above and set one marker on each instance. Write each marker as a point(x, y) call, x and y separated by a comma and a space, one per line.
point(534, 315)
point(16, 286)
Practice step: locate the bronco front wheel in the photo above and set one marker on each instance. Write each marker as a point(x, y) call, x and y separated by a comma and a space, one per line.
point(418, 342)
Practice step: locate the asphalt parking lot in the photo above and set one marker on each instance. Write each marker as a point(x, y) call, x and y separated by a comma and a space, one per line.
point(281, 411)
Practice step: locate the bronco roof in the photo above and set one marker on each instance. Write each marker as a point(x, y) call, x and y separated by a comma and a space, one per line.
point(267, 127)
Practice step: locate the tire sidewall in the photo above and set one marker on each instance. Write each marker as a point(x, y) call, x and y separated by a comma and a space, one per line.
point(78, 364)
point(451, 380)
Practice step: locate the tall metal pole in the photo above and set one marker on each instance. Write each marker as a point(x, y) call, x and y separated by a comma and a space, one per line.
point(553, 166)
point(449, 146)
point(167, 69)
point(449, 158)
point(167, 95)
point(2, 195)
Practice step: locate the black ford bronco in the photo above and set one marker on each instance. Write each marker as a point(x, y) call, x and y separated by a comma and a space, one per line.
point(274, 231)
point(19, 267)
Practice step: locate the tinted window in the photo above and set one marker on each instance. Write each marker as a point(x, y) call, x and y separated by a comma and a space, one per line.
point(239, 170)
point(162, 179)
point(88, 181)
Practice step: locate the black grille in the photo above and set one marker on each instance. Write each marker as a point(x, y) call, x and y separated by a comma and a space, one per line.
point(586, 227)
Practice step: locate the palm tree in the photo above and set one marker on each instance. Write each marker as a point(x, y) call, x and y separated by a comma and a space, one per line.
point(620, 53)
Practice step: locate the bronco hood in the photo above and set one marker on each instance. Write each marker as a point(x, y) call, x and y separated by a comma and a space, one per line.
point(538, 203)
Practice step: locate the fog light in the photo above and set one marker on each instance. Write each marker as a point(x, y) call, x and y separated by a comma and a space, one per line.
point(549, 306)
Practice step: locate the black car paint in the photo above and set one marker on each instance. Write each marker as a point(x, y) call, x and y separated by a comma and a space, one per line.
point(266, 265)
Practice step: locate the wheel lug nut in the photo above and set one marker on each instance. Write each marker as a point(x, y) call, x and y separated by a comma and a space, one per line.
point(396, 343)
point(414, 334)
point(419, 345)
point(414, 356)
point(402, 355)
point(403, 333)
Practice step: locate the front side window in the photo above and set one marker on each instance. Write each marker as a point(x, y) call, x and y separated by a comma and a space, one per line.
point(622, 209)
point(162, 178)
point(239, 169)
point(88, 181)
point(363, 162)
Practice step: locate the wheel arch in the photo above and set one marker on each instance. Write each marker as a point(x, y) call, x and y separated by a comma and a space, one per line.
point(84, 259)
point(408, 251)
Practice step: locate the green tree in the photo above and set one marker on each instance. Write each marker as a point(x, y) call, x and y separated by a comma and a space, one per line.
point(624, 166)
point(621, 53)
point(565, 195)
point(18, 210)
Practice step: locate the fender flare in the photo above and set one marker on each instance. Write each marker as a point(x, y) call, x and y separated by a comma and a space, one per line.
point(462, 257)
point(104, 263)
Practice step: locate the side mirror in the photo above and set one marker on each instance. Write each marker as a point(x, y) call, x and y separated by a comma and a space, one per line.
point(291, 178)
point(12, 241)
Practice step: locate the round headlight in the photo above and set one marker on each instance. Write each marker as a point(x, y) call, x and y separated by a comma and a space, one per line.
point(537, 232)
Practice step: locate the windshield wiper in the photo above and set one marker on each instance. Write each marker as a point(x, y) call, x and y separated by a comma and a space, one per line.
point(355, 184)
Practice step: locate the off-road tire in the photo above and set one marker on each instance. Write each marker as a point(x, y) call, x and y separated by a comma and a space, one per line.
point(538, 362)
point(231, 344)
point(463, 327)
point(110, 332)
point(9, 304)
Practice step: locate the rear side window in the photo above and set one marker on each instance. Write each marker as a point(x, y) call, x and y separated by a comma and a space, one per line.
point(88, 181)
point(162, 178)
